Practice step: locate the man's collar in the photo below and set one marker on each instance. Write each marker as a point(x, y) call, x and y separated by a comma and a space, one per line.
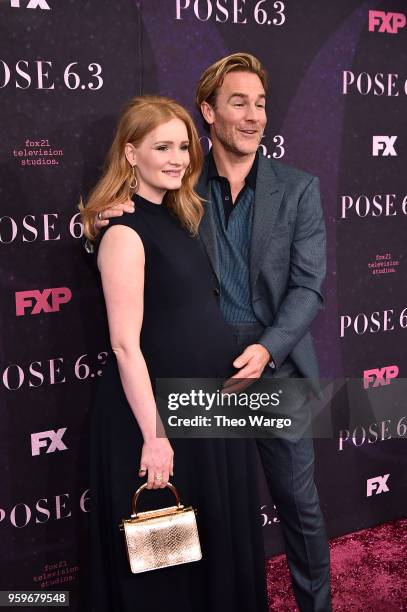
point(250, 179)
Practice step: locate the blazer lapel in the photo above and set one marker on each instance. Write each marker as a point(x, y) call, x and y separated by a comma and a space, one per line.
point(268, 197)
point(207, 231)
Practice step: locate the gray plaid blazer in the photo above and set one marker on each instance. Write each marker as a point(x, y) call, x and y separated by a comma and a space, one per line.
point(287, 259)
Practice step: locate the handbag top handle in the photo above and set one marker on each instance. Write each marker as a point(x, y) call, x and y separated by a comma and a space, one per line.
point(144, 486)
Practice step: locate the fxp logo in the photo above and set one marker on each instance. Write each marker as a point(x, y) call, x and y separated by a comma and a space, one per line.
point(38, 301)
point(30, 4)
point(390, 23)
point(378, 377)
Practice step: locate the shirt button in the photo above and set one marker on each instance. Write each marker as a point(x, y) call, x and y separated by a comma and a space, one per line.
point(226, 197)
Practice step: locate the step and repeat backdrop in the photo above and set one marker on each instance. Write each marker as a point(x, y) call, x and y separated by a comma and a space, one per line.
point(337, 108)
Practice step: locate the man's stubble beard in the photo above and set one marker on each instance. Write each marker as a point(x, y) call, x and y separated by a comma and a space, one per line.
point(228, 143)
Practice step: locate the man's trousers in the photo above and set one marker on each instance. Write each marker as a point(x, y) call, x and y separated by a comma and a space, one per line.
point(289, 469)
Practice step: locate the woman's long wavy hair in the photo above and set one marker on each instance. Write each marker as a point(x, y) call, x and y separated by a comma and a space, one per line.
point(141, 115)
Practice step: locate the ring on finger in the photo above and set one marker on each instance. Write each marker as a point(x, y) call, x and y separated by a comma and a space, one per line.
point(158, 477)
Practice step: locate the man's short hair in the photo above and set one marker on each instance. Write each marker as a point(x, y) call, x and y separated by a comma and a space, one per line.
point(214, 76)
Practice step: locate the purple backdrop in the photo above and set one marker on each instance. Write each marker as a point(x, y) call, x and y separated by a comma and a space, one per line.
point(336, 108)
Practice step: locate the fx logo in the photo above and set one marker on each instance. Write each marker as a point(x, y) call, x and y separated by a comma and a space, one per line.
point(31, 4)
point(379, 376)
point(377, 485)
point(38, 300)
point(40, 440)
point(390, 23)
point(385, 144)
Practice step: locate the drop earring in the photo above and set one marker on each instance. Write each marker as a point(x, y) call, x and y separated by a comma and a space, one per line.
point(133, 181)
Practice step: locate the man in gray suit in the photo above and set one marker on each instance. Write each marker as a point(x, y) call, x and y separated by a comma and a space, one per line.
point(264, 234)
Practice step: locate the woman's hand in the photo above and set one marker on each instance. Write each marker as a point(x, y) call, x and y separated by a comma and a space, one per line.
point(157, 458)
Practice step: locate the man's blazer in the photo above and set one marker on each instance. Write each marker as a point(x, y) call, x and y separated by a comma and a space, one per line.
point(287, 258)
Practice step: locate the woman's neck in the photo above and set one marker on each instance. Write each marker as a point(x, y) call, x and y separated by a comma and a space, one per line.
point(154, 196)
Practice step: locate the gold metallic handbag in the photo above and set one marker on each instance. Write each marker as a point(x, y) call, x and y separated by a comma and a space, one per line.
point(161, 538)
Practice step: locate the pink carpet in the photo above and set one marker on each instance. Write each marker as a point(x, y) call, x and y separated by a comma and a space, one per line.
point(368, 572)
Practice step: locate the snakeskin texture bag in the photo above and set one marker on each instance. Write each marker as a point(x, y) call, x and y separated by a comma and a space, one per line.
point(161, 538)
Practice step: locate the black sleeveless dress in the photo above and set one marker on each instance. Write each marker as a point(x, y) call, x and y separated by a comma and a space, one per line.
point(183, 335)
